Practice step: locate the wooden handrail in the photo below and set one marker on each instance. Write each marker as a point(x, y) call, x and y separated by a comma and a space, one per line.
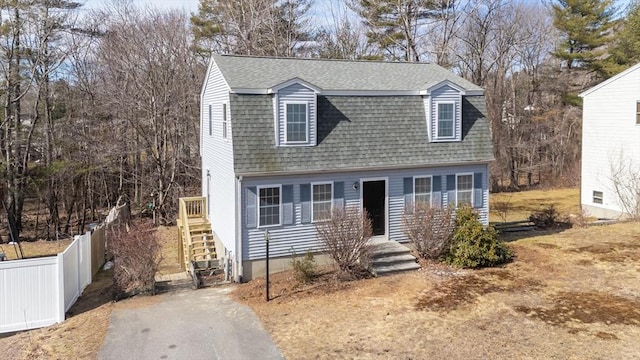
point(190, 208)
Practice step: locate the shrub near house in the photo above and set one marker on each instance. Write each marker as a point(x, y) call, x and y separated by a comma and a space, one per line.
point(475, 245)
point(460, 240)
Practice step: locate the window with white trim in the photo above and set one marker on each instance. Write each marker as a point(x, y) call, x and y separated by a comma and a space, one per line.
point(224, 120)
point(445, 113)
point(297, 122)
point(321, 199)
point(269, 208)
point(597, 197)
point(422, 190)
point(464, 189)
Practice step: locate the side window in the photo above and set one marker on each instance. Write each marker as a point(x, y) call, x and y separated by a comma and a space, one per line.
point(597, 197)
point(297, 122)
point(210, 121)
point(446, 120)
point(638, 112)
point(269, 206)
point(464, 189)
point(422, 190)
point(321, 199)
point(224, 120)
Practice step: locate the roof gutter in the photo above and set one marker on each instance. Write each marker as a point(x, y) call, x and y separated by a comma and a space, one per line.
point(376, 168)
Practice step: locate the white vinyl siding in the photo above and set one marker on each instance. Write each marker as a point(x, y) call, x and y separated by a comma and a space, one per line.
point(210, 120)
point(597, 197)
point(446, 119)
point(217, 156)
point(464, 189)
point(297, 122)
point(321, 200)
point(609, 132)
point(269, 205)
point(422, 190)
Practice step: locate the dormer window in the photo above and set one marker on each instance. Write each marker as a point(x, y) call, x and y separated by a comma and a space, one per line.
point(446, 120)
point(295, 116)
point(443, 105)
point(297, 122)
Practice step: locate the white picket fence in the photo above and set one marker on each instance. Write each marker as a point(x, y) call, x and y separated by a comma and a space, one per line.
point(37, 292)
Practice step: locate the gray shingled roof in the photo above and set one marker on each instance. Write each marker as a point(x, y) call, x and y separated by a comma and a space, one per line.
point(242, 72)
point(355, 133)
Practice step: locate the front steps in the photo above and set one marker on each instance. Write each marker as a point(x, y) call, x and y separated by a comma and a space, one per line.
point(389, 257)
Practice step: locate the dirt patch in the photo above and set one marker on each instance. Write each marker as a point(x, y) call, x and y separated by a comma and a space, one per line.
point(616, 252)
point(451, 294)
point(606, 336)
point(284, 287)
point(584, 262)
point(547, 246)
point(168, 238)
point(588, 308)
point(454, 293)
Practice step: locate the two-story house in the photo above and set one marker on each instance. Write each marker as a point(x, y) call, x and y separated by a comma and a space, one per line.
point(610, 181)
point(285, 140)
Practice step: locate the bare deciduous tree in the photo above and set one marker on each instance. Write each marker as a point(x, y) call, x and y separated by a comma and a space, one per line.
point(429, 229)
point(625, 178)
point(344, 236)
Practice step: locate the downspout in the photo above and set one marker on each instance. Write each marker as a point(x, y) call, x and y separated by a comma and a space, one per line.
point(238, 256)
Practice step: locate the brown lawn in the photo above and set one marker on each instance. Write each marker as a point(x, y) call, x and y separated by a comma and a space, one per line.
point(520, 205)
point(570, 295)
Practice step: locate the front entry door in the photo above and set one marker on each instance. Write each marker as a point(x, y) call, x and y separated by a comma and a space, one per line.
point(373, 201)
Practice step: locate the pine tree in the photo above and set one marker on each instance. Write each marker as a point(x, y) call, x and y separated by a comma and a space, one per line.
point(586, 26)
point(395, 25)
point(250, 27)
point(626, 51)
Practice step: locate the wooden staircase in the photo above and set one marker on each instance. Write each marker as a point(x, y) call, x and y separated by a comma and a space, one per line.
point(197, 250)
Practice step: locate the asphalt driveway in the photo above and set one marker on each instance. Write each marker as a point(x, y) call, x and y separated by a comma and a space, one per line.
point(197, 324)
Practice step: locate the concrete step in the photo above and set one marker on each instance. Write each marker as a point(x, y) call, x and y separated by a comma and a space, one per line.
point(388, 249)
point(173, 282)
point(395, 268)
point(393, 259)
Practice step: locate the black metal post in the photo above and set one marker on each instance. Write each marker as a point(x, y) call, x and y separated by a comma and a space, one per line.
point(266, 238)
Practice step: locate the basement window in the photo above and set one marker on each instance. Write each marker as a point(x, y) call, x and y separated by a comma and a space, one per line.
point(597, 197)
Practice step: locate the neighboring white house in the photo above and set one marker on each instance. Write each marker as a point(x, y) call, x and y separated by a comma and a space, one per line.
point(610, 186)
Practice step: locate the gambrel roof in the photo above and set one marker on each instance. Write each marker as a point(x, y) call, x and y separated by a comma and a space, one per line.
point(370, 115)
point(355, 132)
